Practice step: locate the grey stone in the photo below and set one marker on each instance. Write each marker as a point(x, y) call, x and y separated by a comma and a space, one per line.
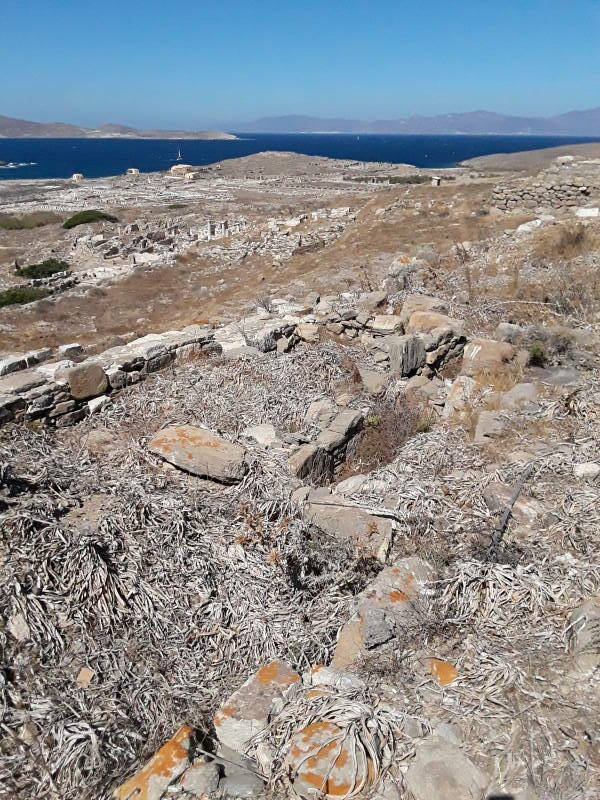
point(21, 382)
point(440, 771)
point(201, 779)
point(10, 364)
point(490, 425)
point(320, 413)
point(586, 470)
point(407, 354)
point(264, 434)
point(312, 463)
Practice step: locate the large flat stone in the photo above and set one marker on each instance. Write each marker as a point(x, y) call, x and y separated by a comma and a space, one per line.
point(407, 354)
point(20, 382)
point(370, 534)
point(486, 354)
point(200, 452)
point(440, 771)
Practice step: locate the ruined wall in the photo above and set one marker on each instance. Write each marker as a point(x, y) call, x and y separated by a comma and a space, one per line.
point(566, 184)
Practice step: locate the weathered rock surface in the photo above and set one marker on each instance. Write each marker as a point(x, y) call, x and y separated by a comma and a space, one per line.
point(200, 452)
point(386, 609)
point(164, 767)
point(482, 355)
point(86, 380)
point(407, 354)
point(370, 534)
point(246, 712)
point(441, 771)
point(421, 302)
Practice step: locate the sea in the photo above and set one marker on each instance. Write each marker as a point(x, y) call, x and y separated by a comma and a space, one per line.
point(96, 158)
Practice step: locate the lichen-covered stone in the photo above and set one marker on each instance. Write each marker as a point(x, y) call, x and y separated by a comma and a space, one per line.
point(246, 712)
point(200, 452)
point(165, 766)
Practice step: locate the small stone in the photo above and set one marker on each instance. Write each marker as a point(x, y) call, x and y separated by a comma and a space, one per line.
point(84, 677)
point(18, 627)
point(98, 403)
point(201, 779)
point(264, 434)
point(586, 470)
point(386, 324)
point(73, 350)
point(308, 332)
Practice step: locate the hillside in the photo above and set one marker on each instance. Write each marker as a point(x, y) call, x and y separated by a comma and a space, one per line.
point(23, 129)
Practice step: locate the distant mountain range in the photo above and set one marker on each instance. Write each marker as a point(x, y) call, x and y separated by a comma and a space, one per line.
point(23, 129)
point(573, 123)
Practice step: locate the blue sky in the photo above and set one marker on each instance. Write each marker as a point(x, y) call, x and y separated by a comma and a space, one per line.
point(194, 63)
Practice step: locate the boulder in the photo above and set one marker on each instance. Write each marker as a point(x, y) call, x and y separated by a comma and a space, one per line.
point(482, 355)
point(440, 771)
point(308, 332)
point(165, 766)
point(522, 396)
point(200, 452)
point(460, 396)
point(86, 380)
point(311, 462)
point(372, 300)
point(387, 608)
point(526, 510)
point(320, 412)
point(420, 302)
point(340, 430)
point(246, 712)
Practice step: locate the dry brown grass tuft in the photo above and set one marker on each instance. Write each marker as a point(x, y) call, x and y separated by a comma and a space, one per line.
point(563, 242)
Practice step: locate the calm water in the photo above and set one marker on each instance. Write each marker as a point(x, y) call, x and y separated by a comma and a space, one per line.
point(60, 158)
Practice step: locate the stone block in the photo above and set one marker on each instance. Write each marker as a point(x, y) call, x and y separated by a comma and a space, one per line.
point(200, 452)
point(86, 380)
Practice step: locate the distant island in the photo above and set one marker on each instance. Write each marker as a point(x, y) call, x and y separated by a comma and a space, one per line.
point(573, 123)
point(23, 129)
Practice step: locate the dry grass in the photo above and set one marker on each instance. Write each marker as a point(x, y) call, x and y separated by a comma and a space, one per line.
point(36, 219)
point(563, 242)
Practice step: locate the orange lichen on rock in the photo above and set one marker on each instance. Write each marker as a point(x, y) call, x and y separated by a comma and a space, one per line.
point(443, 671)
point(277, 672)
point(165, 765)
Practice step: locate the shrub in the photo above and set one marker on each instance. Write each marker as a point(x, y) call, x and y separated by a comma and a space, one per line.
point(19, 295)
point(43, 270)
point(537, 354)
point(388, 427)
point(10, 222)
point(85, 217)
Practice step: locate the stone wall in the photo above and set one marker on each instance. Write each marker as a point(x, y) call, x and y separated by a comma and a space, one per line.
point(36, 386)
point(566, 184)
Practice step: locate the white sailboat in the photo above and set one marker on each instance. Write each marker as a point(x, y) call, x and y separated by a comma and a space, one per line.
point(179, 158)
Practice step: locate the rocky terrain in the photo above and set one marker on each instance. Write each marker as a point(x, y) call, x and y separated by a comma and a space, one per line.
point(339, 538)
